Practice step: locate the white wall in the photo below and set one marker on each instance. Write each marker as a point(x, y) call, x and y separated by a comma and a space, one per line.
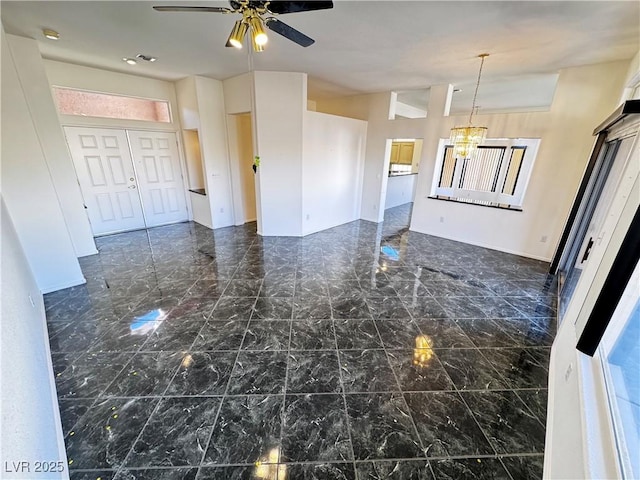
point(400, 190)
point(333, 163)
point(215, 151)
point(201, 209)
point(280, 104)
point(29, 191)
point(311, 164)
point(631, 90)
point(30, 419)
point(417, 155)
point(187, 99)
point(187, 112)
point(238, 94)
point(375, 109)
point(201, 107)
point(33, 79)
point(67, 75)
point(584, 96)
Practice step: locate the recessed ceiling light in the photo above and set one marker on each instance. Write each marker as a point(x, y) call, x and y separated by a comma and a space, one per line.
point(146, 58)
point(51, 34)
point(130, 61)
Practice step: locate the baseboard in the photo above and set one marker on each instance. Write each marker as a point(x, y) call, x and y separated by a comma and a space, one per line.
point(490, 247)
point(61, 286)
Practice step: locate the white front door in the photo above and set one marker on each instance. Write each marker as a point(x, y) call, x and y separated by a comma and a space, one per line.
point(107, 179)
point(157, 165)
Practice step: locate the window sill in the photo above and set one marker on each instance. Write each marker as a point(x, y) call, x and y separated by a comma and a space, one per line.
point(491, 205)
point(402, 174)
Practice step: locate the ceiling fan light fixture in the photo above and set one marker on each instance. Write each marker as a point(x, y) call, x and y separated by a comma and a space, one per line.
point(257, 29)
point(465, 140)
point(237, 34)
point(256, 47)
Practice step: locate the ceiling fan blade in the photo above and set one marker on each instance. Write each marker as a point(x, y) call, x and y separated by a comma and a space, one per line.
point(280, 6)
point(288, 32)
point(192, 9)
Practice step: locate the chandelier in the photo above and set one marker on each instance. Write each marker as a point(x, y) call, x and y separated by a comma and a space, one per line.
point(465, 140)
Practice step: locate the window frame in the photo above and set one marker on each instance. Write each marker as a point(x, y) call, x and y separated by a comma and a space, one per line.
point(112, 118)
point(493, 198)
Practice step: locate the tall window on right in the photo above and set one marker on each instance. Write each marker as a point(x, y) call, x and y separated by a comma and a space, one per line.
point(495, 175)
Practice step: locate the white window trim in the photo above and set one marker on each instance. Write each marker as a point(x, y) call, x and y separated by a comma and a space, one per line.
point(526, 168)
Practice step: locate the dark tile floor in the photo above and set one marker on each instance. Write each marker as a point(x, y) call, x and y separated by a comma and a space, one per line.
point(365, 351)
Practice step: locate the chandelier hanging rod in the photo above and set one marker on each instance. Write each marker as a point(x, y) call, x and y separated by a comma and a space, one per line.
point(482, 56)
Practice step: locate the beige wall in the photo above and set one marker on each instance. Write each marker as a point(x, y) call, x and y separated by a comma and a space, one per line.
point(584, 97)
point(244, 140)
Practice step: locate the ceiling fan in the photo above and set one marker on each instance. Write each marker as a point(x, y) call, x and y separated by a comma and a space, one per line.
point(256, 14)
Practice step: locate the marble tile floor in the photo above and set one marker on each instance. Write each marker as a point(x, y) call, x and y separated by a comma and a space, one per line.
point(361, 352)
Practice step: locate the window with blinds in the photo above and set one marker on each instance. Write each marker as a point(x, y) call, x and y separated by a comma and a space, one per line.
point(495, 175)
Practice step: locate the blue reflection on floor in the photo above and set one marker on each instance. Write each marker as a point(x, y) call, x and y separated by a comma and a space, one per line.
point(390, 252)
point(624, 361)
point(147, 322)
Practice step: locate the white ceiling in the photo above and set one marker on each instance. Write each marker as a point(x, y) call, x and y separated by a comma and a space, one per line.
point(361, 46)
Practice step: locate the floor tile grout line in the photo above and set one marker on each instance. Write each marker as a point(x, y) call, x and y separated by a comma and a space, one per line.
point(99, 395)
point(371, 392)
point(224, 395)
point(330, 462)
point(506, 469)
point(501, 376)
point(344, 396)
point(530, 410)
point(200, 350)
point(283, 407)
point(402, 394)
point(155, 409)
point(475, 419)
point(162, 396)
point(455, 388)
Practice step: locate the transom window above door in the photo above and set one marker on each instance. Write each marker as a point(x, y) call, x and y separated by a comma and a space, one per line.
point(105, 105)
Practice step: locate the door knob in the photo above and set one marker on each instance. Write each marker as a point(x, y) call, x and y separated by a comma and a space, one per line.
point(132, 186)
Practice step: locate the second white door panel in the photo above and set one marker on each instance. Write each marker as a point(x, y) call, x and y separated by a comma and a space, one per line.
point(159, 177)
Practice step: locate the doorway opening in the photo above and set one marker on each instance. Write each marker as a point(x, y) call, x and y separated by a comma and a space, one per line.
point(242, 164)
point(401, 171)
